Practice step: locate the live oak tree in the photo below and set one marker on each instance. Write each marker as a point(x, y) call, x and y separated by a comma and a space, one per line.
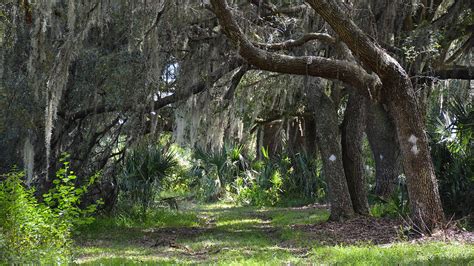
point(390, 85)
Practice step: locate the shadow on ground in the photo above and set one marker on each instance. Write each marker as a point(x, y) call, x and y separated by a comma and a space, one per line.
point(244, 235)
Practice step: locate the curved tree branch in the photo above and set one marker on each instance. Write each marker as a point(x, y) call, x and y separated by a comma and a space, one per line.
point(345, 71)
point(451, 14)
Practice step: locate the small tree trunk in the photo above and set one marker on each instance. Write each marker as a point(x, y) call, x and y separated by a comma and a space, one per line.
point(309, 135)
point(271, 138)
point(328, 138)
point(352, 157)
point(296, 137)
point(382, 138)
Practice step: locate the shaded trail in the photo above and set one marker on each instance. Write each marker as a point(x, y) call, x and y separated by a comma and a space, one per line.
point(237, 234)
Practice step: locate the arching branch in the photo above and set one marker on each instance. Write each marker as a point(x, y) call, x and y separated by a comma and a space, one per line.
point(345, 71)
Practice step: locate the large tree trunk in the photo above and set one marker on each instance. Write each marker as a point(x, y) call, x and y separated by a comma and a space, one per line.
point(425, 202)
point(399, 95)
point(352, 157)
point(328, 139)
point(382, 138)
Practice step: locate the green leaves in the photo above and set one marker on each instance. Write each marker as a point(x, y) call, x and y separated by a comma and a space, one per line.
point(30, 232)
point(65, 197)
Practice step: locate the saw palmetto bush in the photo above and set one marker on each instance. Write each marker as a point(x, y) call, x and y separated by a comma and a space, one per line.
point(452, 149)
point(214, 171)
point(144, 169)
point(306, 181)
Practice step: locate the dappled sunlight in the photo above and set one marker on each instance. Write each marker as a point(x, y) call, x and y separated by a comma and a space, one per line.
point(243, 223)
point(249, 235)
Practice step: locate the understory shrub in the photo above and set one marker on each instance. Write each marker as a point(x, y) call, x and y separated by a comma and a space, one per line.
point(452, 150)
point(30, 232)
point(214, 172)
point(305, 180)
point(269, 181)
point(144, 170)
point(33, 232)
point(395, 206)
point(259, 190)
point(282, 178)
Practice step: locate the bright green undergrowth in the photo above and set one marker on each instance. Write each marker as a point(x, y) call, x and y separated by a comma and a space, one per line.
point(233, 235)
point(39, 232)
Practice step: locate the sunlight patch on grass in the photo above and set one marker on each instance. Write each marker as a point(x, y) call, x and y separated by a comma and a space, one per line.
point(241, 223)
point(401, 254)
point(310, 216)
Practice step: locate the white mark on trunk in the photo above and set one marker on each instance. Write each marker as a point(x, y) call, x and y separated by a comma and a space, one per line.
point(415, 149)
point(381, 157)
point(332, 158)
point(309, 60)
point(412, 139)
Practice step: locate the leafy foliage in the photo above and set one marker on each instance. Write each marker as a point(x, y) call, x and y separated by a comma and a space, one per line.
point(30, 232)
point(65, 198)
point(33, 232)
point(264, 182)
point(395, 206)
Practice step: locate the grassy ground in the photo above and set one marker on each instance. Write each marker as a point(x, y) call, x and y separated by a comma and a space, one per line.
point(225, 234)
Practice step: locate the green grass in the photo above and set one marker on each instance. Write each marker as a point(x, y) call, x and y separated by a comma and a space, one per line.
point(435, 253)
point(224, 234)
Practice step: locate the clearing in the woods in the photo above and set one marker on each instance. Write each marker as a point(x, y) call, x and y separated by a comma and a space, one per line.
point(227, 234)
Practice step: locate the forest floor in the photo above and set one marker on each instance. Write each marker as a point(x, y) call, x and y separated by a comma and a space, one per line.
point(227, 234)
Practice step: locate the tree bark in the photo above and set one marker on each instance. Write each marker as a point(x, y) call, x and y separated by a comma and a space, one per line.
point(328, 139)
point(352, 157)
point(296, 136)
point(382, 138)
